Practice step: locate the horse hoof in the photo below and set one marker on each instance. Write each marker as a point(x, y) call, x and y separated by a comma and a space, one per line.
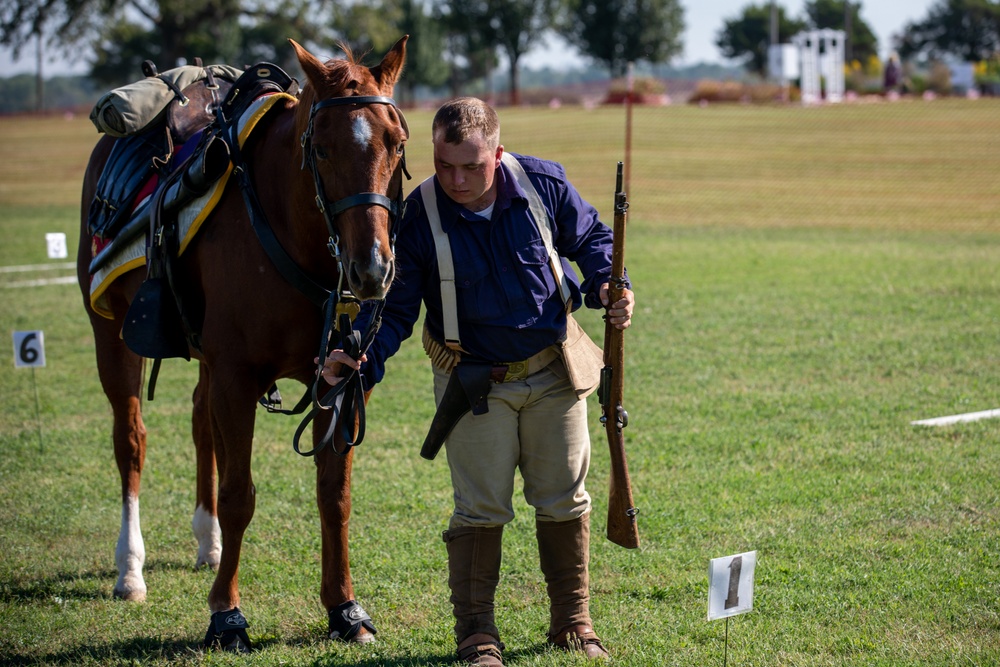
point(363, 637)
point(350, 623)
point(227, 632)
point(210, 563)
point(130, 594)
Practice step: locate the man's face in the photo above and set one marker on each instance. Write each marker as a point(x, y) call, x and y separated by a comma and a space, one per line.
point(466, 171)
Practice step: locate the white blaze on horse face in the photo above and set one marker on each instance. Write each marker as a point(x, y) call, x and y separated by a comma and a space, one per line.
point(130, 554)
point(362, 131)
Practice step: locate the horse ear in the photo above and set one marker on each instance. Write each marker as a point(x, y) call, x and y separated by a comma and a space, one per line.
point(387, 72)
point(314, 69)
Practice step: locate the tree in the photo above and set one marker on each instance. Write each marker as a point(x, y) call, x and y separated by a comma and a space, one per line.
point(748, 36)
point(968, 29)
point(377, 26)
point(125, 32)
point(470, 55)
point(617, 32)
point(424, 64)
point(832, 14)
point(513, 26)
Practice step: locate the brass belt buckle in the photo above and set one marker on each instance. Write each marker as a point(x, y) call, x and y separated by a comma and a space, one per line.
point(517, 370)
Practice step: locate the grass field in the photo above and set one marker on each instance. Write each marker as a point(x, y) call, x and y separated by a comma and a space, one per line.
point(809, 282)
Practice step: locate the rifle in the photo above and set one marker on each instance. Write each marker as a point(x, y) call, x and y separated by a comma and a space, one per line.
point(622, 528)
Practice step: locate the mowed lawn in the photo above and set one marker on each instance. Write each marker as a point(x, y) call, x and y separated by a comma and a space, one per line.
point(809, 282)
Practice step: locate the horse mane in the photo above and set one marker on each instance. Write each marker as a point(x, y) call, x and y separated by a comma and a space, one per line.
point(340, 73)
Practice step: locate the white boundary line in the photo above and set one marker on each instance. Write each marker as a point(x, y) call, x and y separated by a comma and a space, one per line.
point(64, 280)
point(955, 419)
point(36, 267)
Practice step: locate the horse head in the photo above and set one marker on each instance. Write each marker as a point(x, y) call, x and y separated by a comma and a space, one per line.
point(353, 140)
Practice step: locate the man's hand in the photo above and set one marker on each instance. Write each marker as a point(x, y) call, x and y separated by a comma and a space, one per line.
point(620, 312)
point(334, 364)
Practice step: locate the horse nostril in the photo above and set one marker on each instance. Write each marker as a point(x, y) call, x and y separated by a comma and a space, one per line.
point(354, 276)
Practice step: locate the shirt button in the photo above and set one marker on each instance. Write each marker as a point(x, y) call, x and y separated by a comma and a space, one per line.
point(504, 269)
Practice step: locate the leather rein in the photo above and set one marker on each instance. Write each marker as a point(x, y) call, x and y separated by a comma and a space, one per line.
point(338, 331)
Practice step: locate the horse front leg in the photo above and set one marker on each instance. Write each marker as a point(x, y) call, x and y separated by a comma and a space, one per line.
point(232, 408)
point(347, 620)
point(205, 522)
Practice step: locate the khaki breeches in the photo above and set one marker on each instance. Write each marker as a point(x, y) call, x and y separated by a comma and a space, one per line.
point(536, 425)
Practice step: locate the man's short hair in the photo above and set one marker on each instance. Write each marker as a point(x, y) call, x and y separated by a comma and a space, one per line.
point(464, 117)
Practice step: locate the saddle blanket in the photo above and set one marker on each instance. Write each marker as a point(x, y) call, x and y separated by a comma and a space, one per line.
point(189, 218)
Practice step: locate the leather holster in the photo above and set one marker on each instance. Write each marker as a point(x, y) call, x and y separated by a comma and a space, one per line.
point(467, 389)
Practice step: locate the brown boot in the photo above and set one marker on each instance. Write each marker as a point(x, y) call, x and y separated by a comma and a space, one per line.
point(564, 553)
point(473, 575)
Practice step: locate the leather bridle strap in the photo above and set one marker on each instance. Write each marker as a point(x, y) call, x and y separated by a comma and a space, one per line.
point(331, 211)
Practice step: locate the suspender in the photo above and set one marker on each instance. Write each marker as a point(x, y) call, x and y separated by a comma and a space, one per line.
point(446, 264)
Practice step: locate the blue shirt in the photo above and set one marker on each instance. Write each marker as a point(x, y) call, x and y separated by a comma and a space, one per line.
point(509, 306)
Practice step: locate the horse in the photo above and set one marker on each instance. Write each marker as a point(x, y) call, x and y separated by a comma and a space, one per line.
point(256, 327)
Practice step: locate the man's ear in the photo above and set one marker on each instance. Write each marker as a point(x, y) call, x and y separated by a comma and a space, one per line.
point(499, 155)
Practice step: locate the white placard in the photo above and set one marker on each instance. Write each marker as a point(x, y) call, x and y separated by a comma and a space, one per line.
point(730, 585)
point(783, 62)
point(56, 244)
point(29, 349)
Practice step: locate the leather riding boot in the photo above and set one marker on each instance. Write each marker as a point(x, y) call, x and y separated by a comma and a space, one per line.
point(564, 553)
point(473, 574)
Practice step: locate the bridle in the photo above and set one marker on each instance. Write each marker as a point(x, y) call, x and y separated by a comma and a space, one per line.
point(331, 210)
point(337, 329)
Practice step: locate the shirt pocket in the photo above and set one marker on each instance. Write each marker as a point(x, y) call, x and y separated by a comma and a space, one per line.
point(477, 293)
point(535, 273)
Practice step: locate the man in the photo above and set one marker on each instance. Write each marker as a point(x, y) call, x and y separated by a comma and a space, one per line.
point(509, 309)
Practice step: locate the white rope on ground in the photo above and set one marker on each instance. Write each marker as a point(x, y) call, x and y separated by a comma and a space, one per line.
point(956, 419)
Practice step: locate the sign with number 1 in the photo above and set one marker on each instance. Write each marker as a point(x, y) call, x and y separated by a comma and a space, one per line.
point(29, 349)
point(730, 585)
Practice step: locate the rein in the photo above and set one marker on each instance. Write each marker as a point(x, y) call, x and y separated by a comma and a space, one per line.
point(349, 391)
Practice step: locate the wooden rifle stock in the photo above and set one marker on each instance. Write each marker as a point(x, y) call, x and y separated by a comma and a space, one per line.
point(622, 527)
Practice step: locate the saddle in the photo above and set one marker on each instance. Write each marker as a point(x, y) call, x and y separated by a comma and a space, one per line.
point(154, 172)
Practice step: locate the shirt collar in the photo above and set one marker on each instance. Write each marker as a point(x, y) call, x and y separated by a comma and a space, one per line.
point(508, 189)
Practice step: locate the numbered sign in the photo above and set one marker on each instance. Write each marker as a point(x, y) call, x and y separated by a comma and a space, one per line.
point(29, 349)
point(730, 585)
point(56, 244)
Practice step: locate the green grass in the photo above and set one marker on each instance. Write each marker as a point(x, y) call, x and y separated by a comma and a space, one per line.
point(808, 283)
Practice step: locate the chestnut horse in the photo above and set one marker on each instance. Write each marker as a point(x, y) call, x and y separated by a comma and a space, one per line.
point(256, 327)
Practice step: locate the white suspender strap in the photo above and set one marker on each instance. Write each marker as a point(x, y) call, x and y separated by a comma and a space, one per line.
point(446, 266)
point(542, 222)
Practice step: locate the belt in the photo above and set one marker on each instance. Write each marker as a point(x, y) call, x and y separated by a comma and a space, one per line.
point(518, 370)
point(503, 371)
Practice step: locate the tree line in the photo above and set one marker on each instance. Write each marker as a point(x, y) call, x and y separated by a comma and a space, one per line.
point(968, 30)
point(454, 42)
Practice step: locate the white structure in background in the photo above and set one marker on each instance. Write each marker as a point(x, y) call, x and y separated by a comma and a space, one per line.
point(820, 53)
point(783, 63)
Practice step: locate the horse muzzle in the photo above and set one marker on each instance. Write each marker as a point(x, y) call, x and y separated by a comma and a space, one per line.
point(371, 279)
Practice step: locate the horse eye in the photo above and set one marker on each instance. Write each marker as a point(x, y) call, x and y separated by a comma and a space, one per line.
point(400, 148)
point(320, 152)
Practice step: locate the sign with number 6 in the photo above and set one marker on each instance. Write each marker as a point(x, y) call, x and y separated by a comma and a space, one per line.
point(730, 585)
point(29, 349)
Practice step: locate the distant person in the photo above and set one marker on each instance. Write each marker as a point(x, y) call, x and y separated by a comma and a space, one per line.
point(511, 316)
point(892, 75)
